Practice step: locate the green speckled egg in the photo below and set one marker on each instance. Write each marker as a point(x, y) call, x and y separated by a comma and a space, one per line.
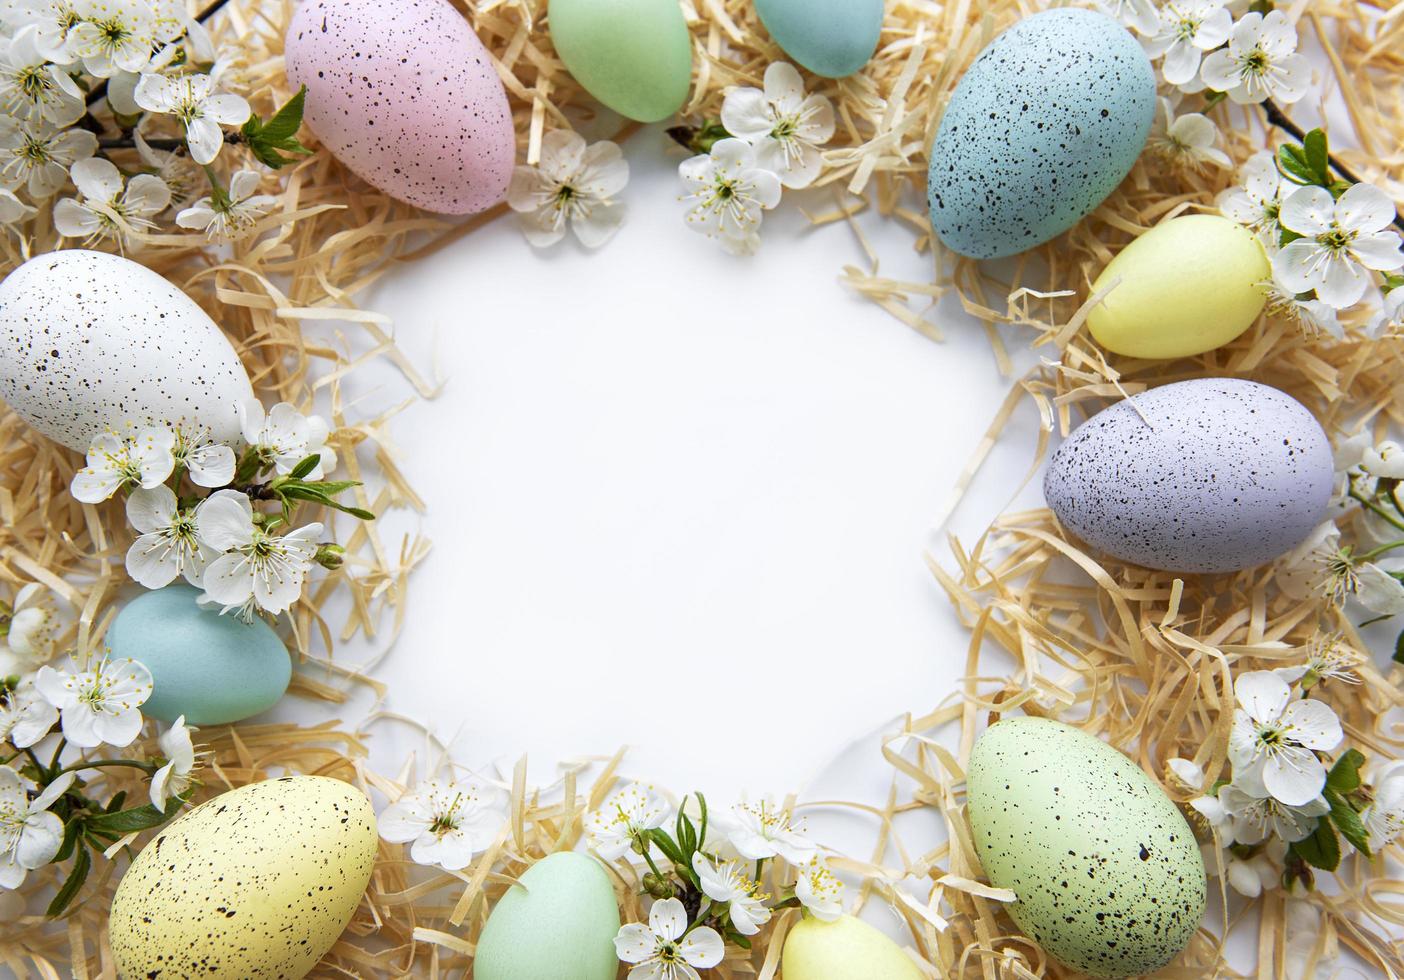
point(842, 950)
point(210, 668)
point(635, 56)
point(255, 884)
point(1108, 875)
point(558, 923)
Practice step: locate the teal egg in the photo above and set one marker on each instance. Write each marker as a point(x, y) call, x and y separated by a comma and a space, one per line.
point(1046, 123)
point(558, 923)
point(210, 668)
point(833, 38)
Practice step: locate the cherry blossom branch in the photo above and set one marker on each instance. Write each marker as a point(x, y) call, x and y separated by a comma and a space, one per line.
point(99, 91)
point(1276, 117)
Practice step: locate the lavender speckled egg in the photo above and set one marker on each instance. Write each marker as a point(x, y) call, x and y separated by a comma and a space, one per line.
point(1108, 875)
point(1209, 475)
point(1044, 125)
point(406, 96)
point(91, 341)
point(255, 884)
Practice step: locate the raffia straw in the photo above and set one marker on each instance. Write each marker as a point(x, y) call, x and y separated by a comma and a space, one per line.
point(1141, 658)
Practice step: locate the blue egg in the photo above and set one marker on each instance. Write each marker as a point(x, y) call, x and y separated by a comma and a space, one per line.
point(1046, 123)
point(210, 668)
point(833, 38)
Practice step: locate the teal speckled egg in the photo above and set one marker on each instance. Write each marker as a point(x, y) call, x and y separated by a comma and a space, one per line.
point(559, 924)
point(210, 668)
point(833, 38)
point(1046, 123)
point(1108, 876)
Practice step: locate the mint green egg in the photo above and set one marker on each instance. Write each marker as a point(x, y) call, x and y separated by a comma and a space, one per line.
point(210, 668)
point(557, 923)
point(635, 56)
point(833, 38)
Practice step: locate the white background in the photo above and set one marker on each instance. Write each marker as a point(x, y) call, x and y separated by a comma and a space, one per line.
point(678, 499)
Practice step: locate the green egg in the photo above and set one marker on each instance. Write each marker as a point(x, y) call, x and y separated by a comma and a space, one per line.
point(635, 56)
point(210, 668)
point(557, 923)
point(842, 950)
point(1108, 876)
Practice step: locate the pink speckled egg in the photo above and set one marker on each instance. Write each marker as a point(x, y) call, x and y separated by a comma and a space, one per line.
point(406, 96)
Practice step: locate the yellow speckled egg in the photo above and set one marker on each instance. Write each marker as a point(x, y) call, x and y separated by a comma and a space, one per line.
point(255, 884)
point(1187, 286)
point(843, 950)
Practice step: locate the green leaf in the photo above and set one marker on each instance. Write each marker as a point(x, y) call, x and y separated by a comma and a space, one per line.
point(1393, 282)
point(1347, 821)
point(1322, 849)
point(306, 466)
point(137, 818)
point(1318, 158)
point(1344, 776)
point(82, 863)
point(1212, 99)
point(1291, 160)
point(71, 832)
point(269, 141)
point(670, 850)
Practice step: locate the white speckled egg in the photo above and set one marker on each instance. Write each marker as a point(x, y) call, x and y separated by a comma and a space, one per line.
point(406, 96)
point(1108, 875)
point(1044, 125)
point(90, 341)
point(254, 884)
point(1209, 475)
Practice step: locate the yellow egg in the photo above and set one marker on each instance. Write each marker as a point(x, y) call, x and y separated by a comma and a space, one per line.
point(1187, 286)
point(257, 883)
point(843, 950)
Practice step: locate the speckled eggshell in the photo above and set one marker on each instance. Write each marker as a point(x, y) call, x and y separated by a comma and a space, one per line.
point(1209, 475)
point(212, 669)
point(842, 950)
point(833, 38)
point(1189, 285)
point(90, 341)
point(1043, 126)
point(558, 924)
point(406, 96)
point(1108, 876)
point(254, 884)
point(635, 56)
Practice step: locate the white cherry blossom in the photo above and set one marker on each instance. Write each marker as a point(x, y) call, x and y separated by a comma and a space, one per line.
point(1275, 738)
point(575, 186)
point(1260, 61)
point(51, 20)
point(107, 208)
point(31, 88)
point(285, 437)
point(1321, 567)
point(621, 821)
point(1383, 817)
point(1253, 816)
point(763, 830)
point(25, 717)
point(1186, 142)
point(37, 155)
point(1313, 317)
point(112, 35)
point(192, 99)
point(233, 217)
point(1187, 29)
point(727, 193)
point(35, 623)
point(100, 705)
point(1140, 16)
point(785, 126)
point(143, 459)
point(207, 463)
point(166, 544)
point(1342, 241)
point(726, 882)
point(446, 823)
point(257, 568)
point(12, 209)
point(666, 949)
point(1258, 201)
point(29, 834)
point(173, 779)
point(1328, 658)
point(1389, 321)
point(820, 891)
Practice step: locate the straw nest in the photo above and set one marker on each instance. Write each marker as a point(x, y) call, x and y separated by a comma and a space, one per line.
point(1142, 658)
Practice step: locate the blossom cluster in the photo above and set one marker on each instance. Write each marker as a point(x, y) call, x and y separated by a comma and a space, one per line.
point(766, 140)
point(124, 104)
point(1283, 812)
point(221, 542)
point(717, 867)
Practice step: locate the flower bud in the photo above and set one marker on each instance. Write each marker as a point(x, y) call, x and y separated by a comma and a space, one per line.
point(331, 556)
point(658, 886)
